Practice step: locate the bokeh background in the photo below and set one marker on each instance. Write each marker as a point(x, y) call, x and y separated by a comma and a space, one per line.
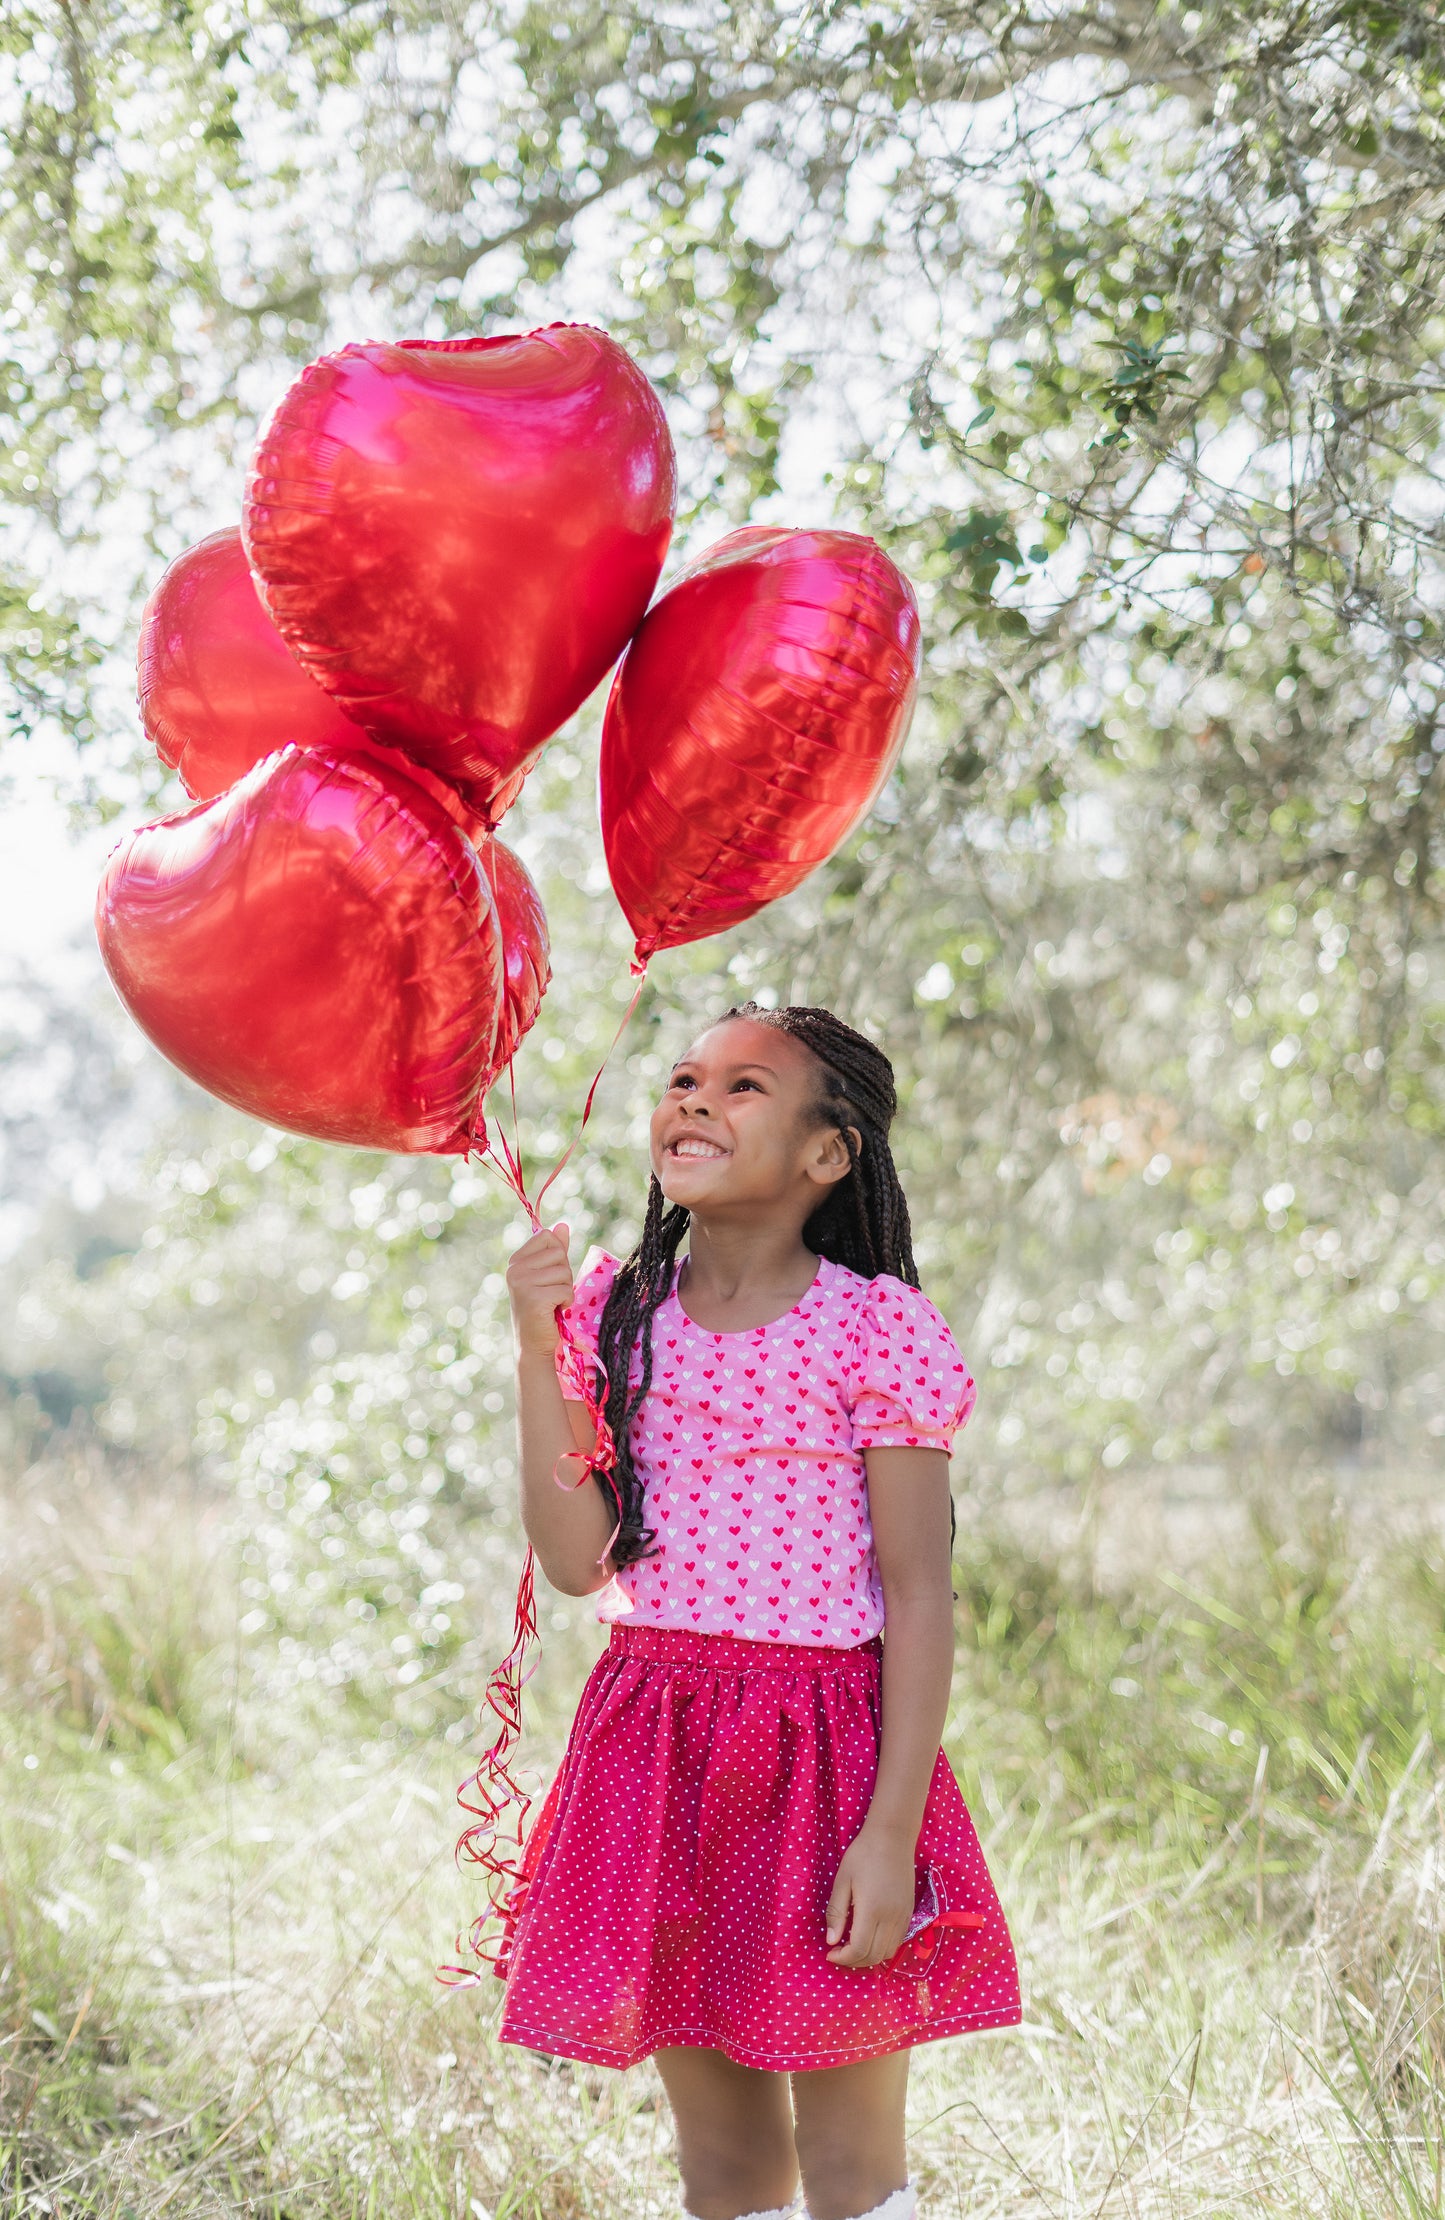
point(1120, 326)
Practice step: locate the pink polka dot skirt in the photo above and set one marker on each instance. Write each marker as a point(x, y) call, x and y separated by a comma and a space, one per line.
point(675, 1884)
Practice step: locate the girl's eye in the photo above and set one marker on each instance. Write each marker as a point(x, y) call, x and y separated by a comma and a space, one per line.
point(681, 1082)
point(740, 1083)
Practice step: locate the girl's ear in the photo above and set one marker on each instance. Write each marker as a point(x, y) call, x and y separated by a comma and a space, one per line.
point(830, 1161)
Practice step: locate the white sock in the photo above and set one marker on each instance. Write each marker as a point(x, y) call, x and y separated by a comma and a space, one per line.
point(902, 2205)
point(779, 2212)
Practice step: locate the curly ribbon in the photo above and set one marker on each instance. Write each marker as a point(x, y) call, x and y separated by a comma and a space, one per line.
point(493, 1792)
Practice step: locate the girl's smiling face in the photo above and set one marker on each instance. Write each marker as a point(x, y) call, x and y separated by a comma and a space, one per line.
point(738, 1126)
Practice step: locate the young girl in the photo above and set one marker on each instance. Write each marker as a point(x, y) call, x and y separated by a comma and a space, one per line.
point(755, 1865)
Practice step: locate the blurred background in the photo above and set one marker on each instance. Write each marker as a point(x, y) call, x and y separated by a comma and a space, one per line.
point(1120, 326)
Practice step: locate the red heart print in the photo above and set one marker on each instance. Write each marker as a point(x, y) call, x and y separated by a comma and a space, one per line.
point(456, 538)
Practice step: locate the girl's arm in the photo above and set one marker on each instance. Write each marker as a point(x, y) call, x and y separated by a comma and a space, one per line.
point(567, 1527)
point(908, 1504)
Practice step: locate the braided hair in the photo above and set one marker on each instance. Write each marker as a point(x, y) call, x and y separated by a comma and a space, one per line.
point(862, 1222)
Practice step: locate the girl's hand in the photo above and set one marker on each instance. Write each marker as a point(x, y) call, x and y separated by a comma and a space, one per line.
point(876, 1886)
point(539, 1281)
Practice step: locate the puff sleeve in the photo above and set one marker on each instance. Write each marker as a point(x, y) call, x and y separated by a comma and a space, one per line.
point(910, 1389)
point(584, 1316)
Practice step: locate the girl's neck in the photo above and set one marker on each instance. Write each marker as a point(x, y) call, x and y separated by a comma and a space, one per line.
point(737, 1277)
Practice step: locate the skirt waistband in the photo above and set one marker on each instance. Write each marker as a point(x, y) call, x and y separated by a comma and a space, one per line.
point(730, 1653)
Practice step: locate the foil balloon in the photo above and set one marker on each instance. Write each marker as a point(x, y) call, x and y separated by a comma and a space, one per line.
point(218, 687)
point(526, 948)
point(756, 715)
point(456, 538)
point(319, 946)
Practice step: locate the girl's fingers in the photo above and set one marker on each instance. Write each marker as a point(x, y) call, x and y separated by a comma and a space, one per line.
point(856, 1951)
point(838, 1907)
point(545, 1242)
point(542, 1261)
point(871, 1942)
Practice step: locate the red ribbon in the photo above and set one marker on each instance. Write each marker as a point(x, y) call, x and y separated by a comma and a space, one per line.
point(916, 1955)
point(492, 1791)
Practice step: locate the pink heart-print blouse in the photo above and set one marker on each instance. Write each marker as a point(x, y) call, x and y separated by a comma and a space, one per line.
point(750, 1447)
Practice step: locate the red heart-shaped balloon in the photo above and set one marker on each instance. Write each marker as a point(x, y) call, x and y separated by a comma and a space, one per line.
point(526, 945)
point(319, 946)
point(456, 538)
point(218, 686)
point(756, 715)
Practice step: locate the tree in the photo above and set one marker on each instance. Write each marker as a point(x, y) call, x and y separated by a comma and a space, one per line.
point(1121, 326)
point(1160, 287)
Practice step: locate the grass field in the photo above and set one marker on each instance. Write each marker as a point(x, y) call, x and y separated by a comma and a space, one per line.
point(1213, 1802)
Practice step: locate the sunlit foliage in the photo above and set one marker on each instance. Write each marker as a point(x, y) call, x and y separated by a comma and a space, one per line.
point(1121, 326)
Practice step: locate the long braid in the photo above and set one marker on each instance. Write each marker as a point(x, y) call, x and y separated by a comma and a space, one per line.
point(640, 1286)
point(862, 1223)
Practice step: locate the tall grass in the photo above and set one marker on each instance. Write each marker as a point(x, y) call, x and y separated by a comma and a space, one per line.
point(1212, 1799)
